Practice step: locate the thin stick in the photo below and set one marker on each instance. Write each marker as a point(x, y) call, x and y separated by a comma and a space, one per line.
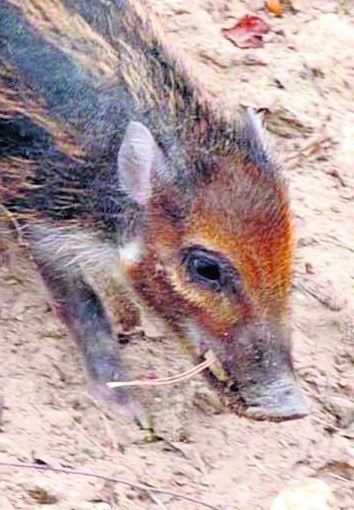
point(312, 293)
point(184, 376)
point(156, 500)
point(139, 486)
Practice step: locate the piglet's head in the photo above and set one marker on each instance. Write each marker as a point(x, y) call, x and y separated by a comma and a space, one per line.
point(212, 256)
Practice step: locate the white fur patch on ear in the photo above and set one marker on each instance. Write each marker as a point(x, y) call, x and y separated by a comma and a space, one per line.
point(255, 122)
point(257, 130)
point(136, 158)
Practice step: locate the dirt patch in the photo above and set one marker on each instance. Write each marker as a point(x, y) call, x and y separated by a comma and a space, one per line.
point(301, 78)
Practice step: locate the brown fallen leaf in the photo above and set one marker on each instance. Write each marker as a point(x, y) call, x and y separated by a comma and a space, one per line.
point(248, 32)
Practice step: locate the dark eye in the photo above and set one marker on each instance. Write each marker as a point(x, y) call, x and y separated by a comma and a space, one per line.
point(205, 269)
point(211, 270)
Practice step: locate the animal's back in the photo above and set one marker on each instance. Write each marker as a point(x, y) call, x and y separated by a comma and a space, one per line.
point(72, 75)
point(56, 137)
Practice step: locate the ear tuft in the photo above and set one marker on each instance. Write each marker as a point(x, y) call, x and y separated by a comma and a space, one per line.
point(255, 124)
point(257, 133)
point(136, 158)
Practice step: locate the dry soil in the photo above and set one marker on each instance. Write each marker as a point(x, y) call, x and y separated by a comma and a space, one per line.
point(302, 80)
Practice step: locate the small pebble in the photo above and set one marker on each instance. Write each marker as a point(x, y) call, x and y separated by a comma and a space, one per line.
point(343, 408)
point(311, 495)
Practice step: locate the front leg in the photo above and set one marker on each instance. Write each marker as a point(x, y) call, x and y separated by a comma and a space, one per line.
point(81, 309)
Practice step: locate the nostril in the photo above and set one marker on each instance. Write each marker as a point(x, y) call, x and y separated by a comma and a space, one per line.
point(234, 388)
point(258, 353)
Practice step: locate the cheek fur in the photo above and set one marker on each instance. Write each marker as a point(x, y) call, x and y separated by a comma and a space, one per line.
point(170, 296)
point(261, 255)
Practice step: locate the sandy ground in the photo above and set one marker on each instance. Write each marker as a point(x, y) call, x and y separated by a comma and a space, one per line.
point(302, 80)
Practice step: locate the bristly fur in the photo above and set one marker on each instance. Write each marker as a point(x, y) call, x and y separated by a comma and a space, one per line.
point(67, 154)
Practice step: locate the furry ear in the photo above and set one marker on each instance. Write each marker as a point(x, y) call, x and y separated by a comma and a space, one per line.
point(137, 156)
point(257, 133)
point(254, 122)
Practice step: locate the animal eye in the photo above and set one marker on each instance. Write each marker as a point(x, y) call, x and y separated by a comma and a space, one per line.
point(211, 270)
point(205, 268)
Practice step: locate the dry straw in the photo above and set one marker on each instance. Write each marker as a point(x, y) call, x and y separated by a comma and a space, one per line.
point(173, 379)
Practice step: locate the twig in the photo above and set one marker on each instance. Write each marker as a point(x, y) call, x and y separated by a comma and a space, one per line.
point(338, 477)
point(312, 293)
point(140, 486)
point(337, 242)
point(184, 376)
point(156, 500)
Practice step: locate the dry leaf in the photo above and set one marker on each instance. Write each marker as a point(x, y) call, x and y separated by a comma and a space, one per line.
point(277, 6)
point(274, 6)
point(248, 32)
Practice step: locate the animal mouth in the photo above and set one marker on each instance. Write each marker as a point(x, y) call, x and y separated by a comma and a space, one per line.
point(225, 385)
point(276, 401)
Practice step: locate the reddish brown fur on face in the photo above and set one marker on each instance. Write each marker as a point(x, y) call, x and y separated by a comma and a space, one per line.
point(241, 214)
